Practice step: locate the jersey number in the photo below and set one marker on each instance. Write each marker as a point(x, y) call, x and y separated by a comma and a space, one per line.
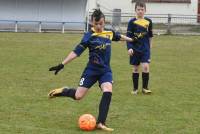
point(81, 81)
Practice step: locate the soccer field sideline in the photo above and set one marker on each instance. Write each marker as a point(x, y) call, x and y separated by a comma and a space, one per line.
point(25, 81)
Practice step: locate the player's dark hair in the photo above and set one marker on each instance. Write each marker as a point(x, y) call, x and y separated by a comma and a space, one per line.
point(140, 4)
point(97, 15)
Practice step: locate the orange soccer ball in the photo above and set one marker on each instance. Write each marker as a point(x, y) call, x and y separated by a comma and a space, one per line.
point(87, 122)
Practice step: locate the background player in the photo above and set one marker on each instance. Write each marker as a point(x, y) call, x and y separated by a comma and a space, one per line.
point(140, 28)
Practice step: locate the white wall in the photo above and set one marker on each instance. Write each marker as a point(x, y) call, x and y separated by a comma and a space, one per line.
point(43, 10)
point(173, 8)
point(109, 5)
point(152, 8)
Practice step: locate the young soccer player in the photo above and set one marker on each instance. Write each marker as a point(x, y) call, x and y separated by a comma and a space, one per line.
point(140, 29)
point(98, 41)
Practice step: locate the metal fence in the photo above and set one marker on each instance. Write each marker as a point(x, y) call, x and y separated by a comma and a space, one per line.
point(162, 23)
point(40, 26)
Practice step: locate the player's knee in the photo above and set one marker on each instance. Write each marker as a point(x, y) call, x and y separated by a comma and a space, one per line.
point(80, 93)
point(107, 90)
point(135, 70)
point(106, 87)
point(146, 68)
point(79, 97)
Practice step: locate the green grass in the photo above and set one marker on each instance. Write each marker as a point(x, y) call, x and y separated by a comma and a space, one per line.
point(173, 108)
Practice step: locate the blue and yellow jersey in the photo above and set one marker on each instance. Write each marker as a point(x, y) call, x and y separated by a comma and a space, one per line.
point(99, 45)
point(141, 28)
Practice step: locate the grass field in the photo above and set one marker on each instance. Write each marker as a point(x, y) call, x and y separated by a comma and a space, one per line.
point(173, 108)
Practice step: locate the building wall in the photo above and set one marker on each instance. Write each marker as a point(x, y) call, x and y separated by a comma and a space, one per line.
point(43, 10)
point(173, 8)
point(152, 8)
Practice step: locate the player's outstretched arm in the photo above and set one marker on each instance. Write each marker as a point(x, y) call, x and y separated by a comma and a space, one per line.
point(69, 58)
point(125, 38)
point(60, 66)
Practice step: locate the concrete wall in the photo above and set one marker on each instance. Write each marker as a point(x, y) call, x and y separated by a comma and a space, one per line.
point(152, 8)
point(127, 7)
point(173, 8)
point(43, 10)
point(51, 12)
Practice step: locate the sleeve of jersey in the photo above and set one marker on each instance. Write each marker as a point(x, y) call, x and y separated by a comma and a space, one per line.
point(129, 34)
point(80, 48)
point(116, 36)
point(150, 31)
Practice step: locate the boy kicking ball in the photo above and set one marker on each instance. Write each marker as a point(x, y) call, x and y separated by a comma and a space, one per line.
point(98, 41)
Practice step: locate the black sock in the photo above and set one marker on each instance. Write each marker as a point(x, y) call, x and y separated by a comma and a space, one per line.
point(135, 78)
point(104, 107)
point(68, 92)
point(145, 80)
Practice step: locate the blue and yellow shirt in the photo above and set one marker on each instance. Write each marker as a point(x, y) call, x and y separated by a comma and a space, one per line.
point(141, 28)
point(99, 45)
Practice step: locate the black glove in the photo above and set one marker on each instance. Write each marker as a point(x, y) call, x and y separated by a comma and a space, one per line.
point(57, 68)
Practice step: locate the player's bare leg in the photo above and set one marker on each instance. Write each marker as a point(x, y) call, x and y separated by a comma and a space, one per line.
point(104, 106)
point(145, 78)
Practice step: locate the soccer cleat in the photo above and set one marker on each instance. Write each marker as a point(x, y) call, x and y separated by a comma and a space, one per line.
point(146, 91)
point(103, 127)
point(56, 92)
point(134, 92)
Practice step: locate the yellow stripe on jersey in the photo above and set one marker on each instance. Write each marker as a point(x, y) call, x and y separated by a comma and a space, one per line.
point(104, 34)
point(142, 22)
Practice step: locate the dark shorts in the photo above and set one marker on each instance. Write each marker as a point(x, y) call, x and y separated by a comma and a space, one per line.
point(138, 58)
point(90, 77)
